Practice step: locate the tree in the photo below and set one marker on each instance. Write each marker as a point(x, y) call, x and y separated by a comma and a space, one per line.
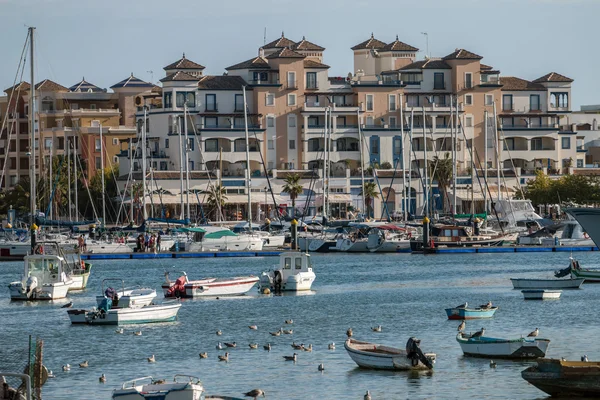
point(293, 188)
point(111, 190)
point(370, 192)
point(442, 172)
point(216, 200)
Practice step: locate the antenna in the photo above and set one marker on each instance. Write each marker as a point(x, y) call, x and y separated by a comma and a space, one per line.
point(265, 37)
point(426, 42)
point(151, 76)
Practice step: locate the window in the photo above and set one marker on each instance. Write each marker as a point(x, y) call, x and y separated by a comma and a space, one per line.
point(534, 102)
point(468, 122)
point(313, 122)
point(509, 144)
point(397, 147)
point(292, 121)
point(369, 99)
point(190, 165)
point(48, 143)
point(292, 144)
point(489, 99)
point(374, 145)
point(559, 100)
point(98, 145)
point(468, 80)
point(468, 99)
point(392, 102)
point(392, 122)
point(239, 102)
point(115, 141)
point(565, 142)
point(291, 100)
point(370, 122)
point(291, 80)
point(438, 80)
point(298, 262)
point(211, 122)
point(179, 99)
point(190, 144)
point(190, 99)
point(270, 144)
point(92, 106)
point(166, 143)
point(211, 145)
point(13, 180)
point(270, 122)
point(211, 102)
point(98, 163)
point(579, 163)
point(163, 165)
point(536, 144)
point(412, 101)
point(270, 99)
point(507, 102)
point(311, 80)
point(270, 165)
point(115, 159)
point(261, 76)
point(168, 100)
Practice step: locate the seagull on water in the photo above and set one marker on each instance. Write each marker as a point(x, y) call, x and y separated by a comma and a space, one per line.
point(255, 393)
point(462, 326)
point(84, 364)
point(293, 358)
point(321, 367)
point(120, 331)
point(297, 346)
point(309, 348)
point(376, 328)
point(277, 333)
point(479, 333)
point(463, 305)
point(253, 345)
point(219, 346)
point(66, 367)
point(585, 358)
point(68, 305)
point(331, 346)
point(253, 327)
point(534, 333)
point(151, 359)
point(492, 364)
point(349, 332)
point(137, 333)
point(367, 396)
point(51, 374)
point(288, 331)
point(289, 321)
point(203, 355)
point(232, 344)
point(267, 347)
point(102, 378)
point(224, 358)
point(219, 333)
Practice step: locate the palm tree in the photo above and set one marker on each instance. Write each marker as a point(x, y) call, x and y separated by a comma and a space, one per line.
point(442, 173)
point(293, 188)
point(370, 192)
point(216, 199)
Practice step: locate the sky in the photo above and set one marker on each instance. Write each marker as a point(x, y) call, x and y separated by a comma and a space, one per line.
point(107, 40)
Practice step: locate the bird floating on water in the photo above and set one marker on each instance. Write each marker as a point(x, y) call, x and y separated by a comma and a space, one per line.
point(534, 333)
point(66, 367)
point(463, 305)
point(120, 331)
point(232, 344)
point(68, 305)
point(255, 393)
point(479, 333)
point(253, 345)
point(219, 346)
point(293, 357)
point(253, 327)
point(331, 346)
point(321, 367)
point(203, 355)
point(349, 332)
point(376, 328)
point(289, 321)
point(51, 374)
point(102, 378)
point(297, 346)
point(462, 326)
point(288, 331)
point(309, 348)
point(137, 333)
point(492, 364)
point(224, 358)
point(277, 333)
point(585, 358)
point(367, 396)
point(267, 347)
point(151, 359)
point(219, 333)
point(84, 364)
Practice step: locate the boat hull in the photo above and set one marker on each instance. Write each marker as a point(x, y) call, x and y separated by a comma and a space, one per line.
point(126, 316)
point(470, 313)
point(565, 378)
point(541, 294)
point(52, 291)
point(296, 283)
point(132, 298)
point(168, 391)
point(499, 348)
point(80, 278)
point(215, 287)
point(546, 283)
point(588, 274)
point(381, 357)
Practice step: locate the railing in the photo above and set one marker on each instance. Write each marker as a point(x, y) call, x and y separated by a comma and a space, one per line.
point(530, 126)
point(270, 81)
point(312, 86)
point(316, 126)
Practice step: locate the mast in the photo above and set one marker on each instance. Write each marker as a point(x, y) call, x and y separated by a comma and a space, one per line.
point(426, 194)
point(402, 155)
point(75, 178)
point(144, 214)
point(325, 162)
point(362, 162)
point(410, 151)
point(187, 163)
point(33, 195)
point(497, 153)
point(50, 184)
point(453, 133)
point(103, 184)
point(131, 155)
point(181, 160)
point(248, 175)
point(69, 177)
point(485, 157)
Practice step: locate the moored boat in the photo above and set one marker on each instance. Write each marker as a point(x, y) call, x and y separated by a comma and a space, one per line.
point(183, 387)
point(590, 275)
point(295, 273)
point(124, 298)
point(527, 283)
point(541, 294)
point(378, 356)
point(483, 346)
point(563, 378)
point(183, 287)
point(470, 313)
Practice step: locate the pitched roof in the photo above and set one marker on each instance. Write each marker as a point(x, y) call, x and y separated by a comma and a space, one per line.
point(279, 43)
point(85, 86)
point(306, 45)
point(21, 85)
point(286, 53)
point(462, 54)
point(132, 82)
point(370, 43)
point(221, 82)
point(512, 83)
point(179, 76)
point(397, 45)
point(314, 64)
point(184, 63)
point(484, 67)
point(50, 86)
point(426, 64)
point(553, 77)
point(253, 63)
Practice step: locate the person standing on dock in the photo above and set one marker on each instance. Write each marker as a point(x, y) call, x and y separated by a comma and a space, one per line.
point(158, 242)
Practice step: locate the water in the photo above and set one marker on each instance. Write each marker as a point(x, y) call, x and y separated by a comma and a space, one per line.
point(404, 293)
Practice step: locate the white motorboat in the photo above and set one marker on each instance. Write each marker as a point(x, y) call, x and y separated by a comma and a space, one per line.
point(374, 237)
point(102, 247)
point(483, 346)
point(76, 269)
point(377, 356)
point(295, 273)
point(44, 275)
point(541, 294)
point(211, 238)
point(183, 387)
point(183, 287)
point(126, 298)
point(525, 283)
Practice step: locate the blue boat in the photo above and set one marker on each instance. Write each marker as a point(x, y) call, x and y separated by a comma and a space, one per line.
point(470, 313)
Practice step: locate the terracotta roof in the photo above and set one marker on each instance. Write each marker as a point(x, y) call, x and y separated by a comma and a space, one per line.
point(85, 86)
point(370, 43)
point(280, 43)
point(21, 85)
point(50, 86)
point(132, 82)
point(553, 77)
point(184, 63)
point(222, 82)
point(512, 83)
point(179, 76)
point(462, 54)
point(314, 64)
point(285, 53)
point(426, 64)
point(484, 67)
point(397, 45)
point(306, 45)
point(253, 63)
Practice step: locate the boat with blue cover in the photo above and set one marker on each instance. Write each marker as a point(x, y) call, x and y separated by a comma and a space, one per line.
point(484, 346)
point(471, 313)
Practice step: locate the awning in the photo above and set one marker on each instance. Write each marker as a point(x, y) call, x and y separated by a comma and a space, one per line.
point(195, 230)
point(255, 198)
point(466, 195)
point(334, 198)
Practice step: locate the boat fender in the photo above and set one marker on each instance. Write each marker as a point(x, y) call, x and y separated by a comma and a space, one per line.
point(82, 264)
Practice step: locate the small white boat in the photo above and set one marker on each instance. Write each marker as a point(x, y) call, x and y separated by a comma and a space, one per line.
point(183, 387)
point(522, 348)
point(183, 287)
point(377, 356)
point(295, 273)
point(541, 294)
point(127, 297)
point(525, 283)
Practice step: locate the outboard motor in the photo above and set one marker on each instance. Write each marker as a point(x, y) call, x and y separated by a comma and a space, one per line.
point(414, 353)
point(31, 285)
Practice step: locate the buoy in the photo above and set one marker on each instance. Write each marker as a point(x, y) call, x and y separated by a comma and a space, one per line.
point(266, 291)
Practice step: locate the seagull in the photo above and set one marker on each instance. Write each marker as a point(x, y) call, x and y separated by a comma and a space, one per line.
point(534, 333)
point(219, 346)
point(151, 359)
point(376, 328)
point(463, 305)
point(68, 305)
point(66, 367)
point(309, 348)
point(267, 347)
point(331, 346)
point(492, 364)
point(486, 306)
point(479, 333)
point(219, 333)
point(253, 345)
point(585, 358)
point(349, 332)
point(297, 346)
point(277, 333)
point(563, 359)
point(224, 358)
point(137, 333)
point(255, 393)
point(253, 327)
point(51, 374)
point(120, 331)
point(321, 367)
point(462, 326)
point(293, 358)
point(289, 321)
point(367, 396)
point(84, 364)
point(203, 355)
point(288, 331)
point(233, 344)
point(102, 378)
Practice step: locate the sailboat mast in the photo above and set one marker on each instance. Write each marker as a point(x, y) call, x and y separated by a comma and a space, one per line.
point(132, 188)
point(75, 178)
point(454, 133)
point(102, 175)
point(32, 196)
point(325, 165)
point(187, 163)
point(497, 140)
point(362, 162)
point(485, 158)
point(181, 160)
point(50, 184)
point(69, 177)
point(426, 189)
point(248, 175)
point(410, 151)
point(402, 155)
point(144, 214)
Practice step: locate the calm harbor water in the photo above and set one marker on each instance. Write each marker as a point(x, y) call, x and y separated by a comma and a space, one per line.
point(404, 293)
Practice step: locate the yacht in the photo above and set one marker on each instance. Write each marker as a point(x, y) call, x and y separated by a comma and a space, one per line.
point(295, 273)
point(213, 238)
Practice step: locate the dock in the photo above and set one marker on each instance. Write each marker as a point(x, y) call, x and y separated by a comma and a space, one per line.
point(149, 256)
point(511, 249)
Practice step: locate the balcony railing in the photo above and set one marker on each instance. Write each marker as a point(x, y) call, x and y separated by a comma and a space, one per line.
point(312, 86)
point(270, 81)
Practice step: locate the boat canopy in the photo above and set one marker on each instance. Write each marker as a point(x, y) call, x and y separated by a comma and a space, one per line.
point(219, 234)
point(194, 230)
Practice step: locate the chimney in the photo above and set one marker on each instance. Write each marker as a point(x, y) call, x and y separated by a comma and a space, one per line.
point(261, 52)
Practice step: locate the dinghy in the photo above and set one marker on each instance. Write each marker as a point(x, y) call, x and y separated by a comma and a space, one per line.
point(483, 346)
point(377, 356)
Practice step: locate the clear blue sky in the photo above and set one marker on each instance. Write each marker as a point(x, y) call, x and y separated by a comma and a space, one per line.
point(107, 40)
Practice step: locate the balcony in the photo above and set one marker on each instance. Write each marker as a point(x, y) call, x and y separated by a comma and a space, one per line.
point(397, 83)
point(319, 108)
point(543, 127)
point(435, 107)
point(82, 112)
point(272, 81)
